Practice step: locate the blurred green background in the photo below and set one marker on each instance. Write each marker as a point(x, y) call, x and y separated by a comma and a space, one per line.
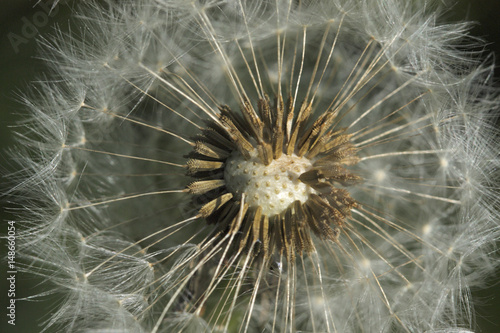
point(19, 65)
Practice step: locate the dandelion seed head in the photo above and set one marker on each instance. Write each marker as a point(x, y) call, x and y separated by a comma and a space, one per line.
point(268, 166)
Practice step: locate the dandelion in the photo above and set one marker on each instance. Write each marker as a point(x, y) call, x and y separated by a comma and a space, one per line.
point(268, 166)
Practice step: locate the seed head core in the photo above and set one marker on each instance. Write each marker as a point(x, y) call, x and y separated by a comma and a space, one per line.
point(273, 187)
point(272, 176)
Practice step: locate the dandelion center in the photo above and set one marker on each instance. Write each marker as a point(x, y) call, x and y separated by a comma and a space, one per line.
point(273, 187)
point(274, 175)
